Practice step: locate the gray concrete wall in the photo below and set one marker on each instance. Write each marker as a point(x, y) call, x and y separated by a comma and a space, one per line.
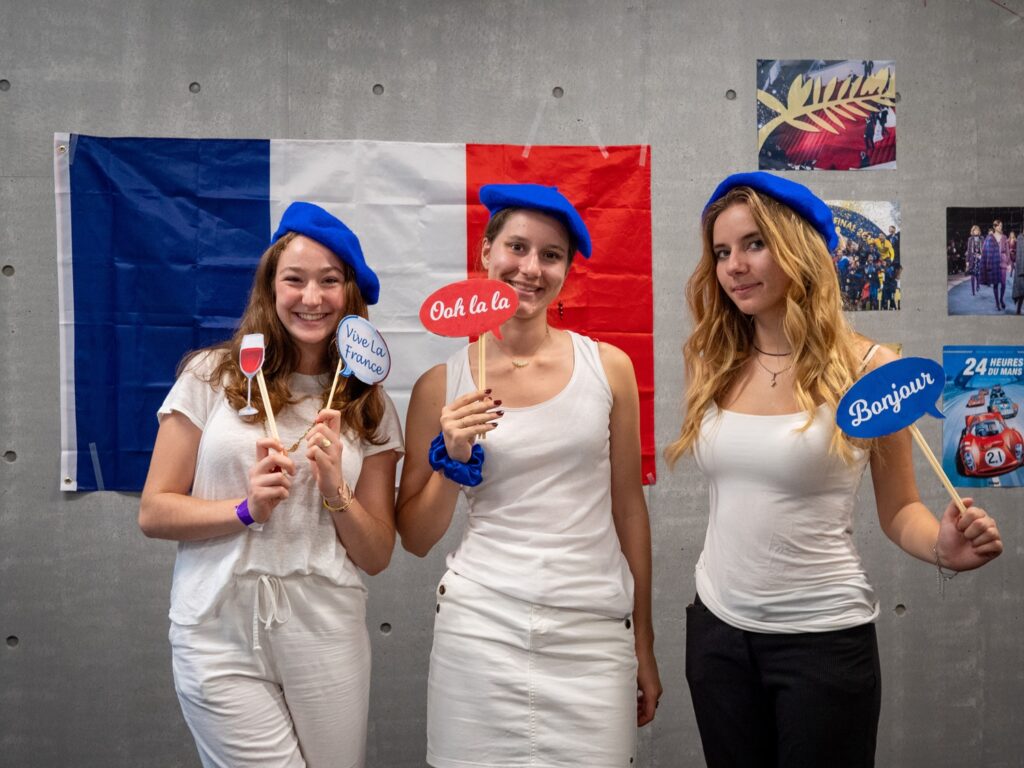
point(88, 681)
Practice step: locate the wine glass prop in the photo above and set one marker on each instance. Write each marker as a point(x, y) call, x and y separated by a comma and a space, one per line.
point(894, 396)
point(470, 308)
point(250, 359)
point(362, 352)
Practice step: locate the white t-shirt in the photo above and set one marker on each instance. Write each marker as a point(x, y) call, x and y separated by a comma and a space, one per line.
point(540, 525)
point(299, 538)
point(779, 554)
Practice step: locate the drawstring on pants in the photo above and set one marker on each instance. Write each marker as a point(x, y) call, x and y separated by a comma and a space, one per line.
point(270, 588)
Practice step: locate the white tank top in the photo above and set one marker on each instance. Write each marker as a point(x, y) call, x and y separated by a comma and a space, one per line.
point(540, 524)
point(779, 554)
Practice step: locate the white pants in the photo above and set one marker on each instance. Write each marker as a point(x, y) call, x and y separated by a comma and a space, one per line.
point(517, 684)
point(300, 698)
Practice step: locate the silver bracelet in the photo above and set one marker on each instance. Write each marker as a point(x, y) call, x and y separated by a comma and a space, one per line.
point(944, 574)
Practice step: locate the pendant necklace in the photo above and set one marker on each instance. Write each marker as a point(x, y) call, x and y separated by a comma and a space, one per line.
point(773, 374)
point(518, 362)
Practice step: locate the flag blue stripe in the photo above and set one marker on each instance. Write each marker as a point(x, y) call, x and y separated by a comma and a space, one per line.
point(166, 234)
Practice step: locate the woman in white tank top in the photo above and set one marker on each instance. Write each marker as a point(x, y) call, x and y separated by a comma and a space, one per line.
point(543, 641)
point(781, 653)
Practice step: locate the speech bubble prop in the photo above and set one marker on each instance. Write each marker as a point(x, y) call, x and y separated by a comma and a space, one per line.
point(891, 397)
point(362, 351)
point(469, 308)
point(894, 396)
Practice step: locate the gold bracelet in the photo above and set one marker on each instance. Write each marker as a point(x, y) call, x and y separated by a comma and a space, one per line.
point(345, 497)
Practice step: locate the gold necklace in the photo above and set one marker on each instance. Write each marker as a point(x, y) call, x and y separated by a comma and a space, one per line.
point(774, 374)
point(518, 362)
point(302, 437)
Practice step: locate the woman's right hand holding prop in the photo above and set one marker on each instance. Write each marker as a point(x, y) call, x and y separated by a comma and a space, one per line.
point(270, 478)
point(466, 418)
point(969, 540)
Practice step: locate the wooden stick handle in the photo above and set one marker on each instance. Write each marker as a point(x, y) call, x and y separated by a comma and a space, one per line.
point(271, 424)
point(334, 384)
point(923, 444)
point(481, 345)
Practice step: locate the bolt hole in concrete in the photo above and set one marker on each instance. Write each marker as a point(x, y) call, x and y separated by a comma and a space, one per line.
point(730, 94)
point(194, 87)
point(12, 641)
point(8, 270)
point(900, 609)
point(378, 89)
point(558, 92)
point(5, 85)
point(385, 628)
point(10, 456)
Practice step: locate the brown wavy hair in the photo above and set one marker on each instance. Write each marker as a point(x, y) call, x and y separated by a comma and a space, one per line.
point(361, 405)
point(825, 360)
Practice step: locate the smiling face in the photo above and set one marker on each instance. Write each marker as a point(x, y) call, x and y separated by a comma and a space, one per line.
point(530, 253)
point(309, 298)
point(746, 270)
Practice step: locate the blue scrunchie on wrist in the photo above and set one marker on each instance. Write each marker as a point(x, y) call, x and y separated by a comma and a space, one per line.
point(462, 472)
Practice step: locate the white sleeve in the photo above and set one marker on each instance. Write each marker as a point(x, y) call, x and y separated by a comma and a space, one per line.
point(191, 394)
point(390, 429)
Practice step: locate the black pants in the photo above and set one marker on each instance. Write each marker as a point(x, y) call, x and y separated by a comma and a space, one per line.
point(807, 700)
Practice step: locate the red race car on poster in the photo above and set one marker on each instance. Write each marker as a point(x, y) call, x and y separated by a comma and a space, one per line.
point(978, 398)
point(988, 447)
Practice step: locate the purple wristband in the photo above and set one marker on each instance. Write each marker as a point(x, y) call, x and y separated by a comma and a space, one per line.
point(242, 510)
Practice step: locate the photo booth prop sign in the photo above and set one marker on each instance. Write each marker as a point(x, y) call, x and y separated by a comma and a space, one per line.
point(251, 355)
point(470, 308)
point(362, 352)
point(892, 397)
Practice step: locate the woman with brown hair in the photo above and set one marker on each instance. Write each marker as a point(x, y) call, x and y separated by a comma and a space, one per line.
point(543, 648)
point(781, 656)
point(271, 656)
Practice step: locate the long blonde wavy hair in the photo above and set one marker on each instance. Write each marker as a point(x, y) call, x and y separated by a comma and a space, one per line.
point(361, 405)
point(825, 357)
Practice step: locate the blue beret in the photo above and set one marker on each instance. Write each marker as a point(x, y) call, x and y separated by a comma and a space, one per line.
point(316, 223)
point(544, 199)
point(796, 196)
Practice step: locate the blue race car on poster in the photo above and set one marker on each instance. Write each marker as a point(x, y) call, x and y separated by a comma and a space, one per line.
point(1004, 406)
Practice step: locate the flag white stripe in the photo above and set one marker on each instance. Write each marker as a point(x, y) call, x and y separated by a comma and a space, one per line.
point(407, 204)
point(62, 151)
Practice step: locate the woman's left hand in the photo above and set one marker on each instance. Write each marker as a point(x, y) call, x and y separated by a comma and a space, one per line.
point(324, 452)
point(969, 540)
point(648, 684)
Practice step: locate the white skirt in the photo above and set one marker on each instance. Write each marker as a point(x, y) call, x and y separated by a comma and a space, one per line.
point(517, 684)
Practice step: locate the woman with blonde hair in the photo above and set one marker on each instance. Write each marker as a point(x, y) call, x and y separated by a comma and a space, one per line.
point(782, 659)
point(543, 648)
point(271, 656)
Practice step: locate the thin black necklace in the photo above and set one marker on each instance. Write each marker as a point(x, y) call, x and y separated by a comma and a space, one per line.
point(771, 354)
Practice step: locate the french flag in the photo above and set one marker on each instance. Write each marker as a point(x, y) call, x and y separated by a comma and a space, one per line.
point(157, 241)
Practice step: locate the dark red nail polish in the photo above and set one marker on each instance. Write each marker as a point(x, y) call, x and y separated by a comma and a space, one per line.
point(499, 413)
point(497, 403)
point(488, 391)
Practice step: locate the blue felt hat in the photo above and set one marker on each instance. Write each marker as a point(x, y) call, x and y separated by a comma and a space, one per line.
point(538, 198)
point(316, 223)
point(796, 196)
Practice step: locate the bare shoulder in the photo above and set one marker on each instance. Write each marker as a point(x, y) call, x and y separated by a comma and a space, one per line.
point(431, 384)
point(614, 359)
point(617, 366)
point(882, 355)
